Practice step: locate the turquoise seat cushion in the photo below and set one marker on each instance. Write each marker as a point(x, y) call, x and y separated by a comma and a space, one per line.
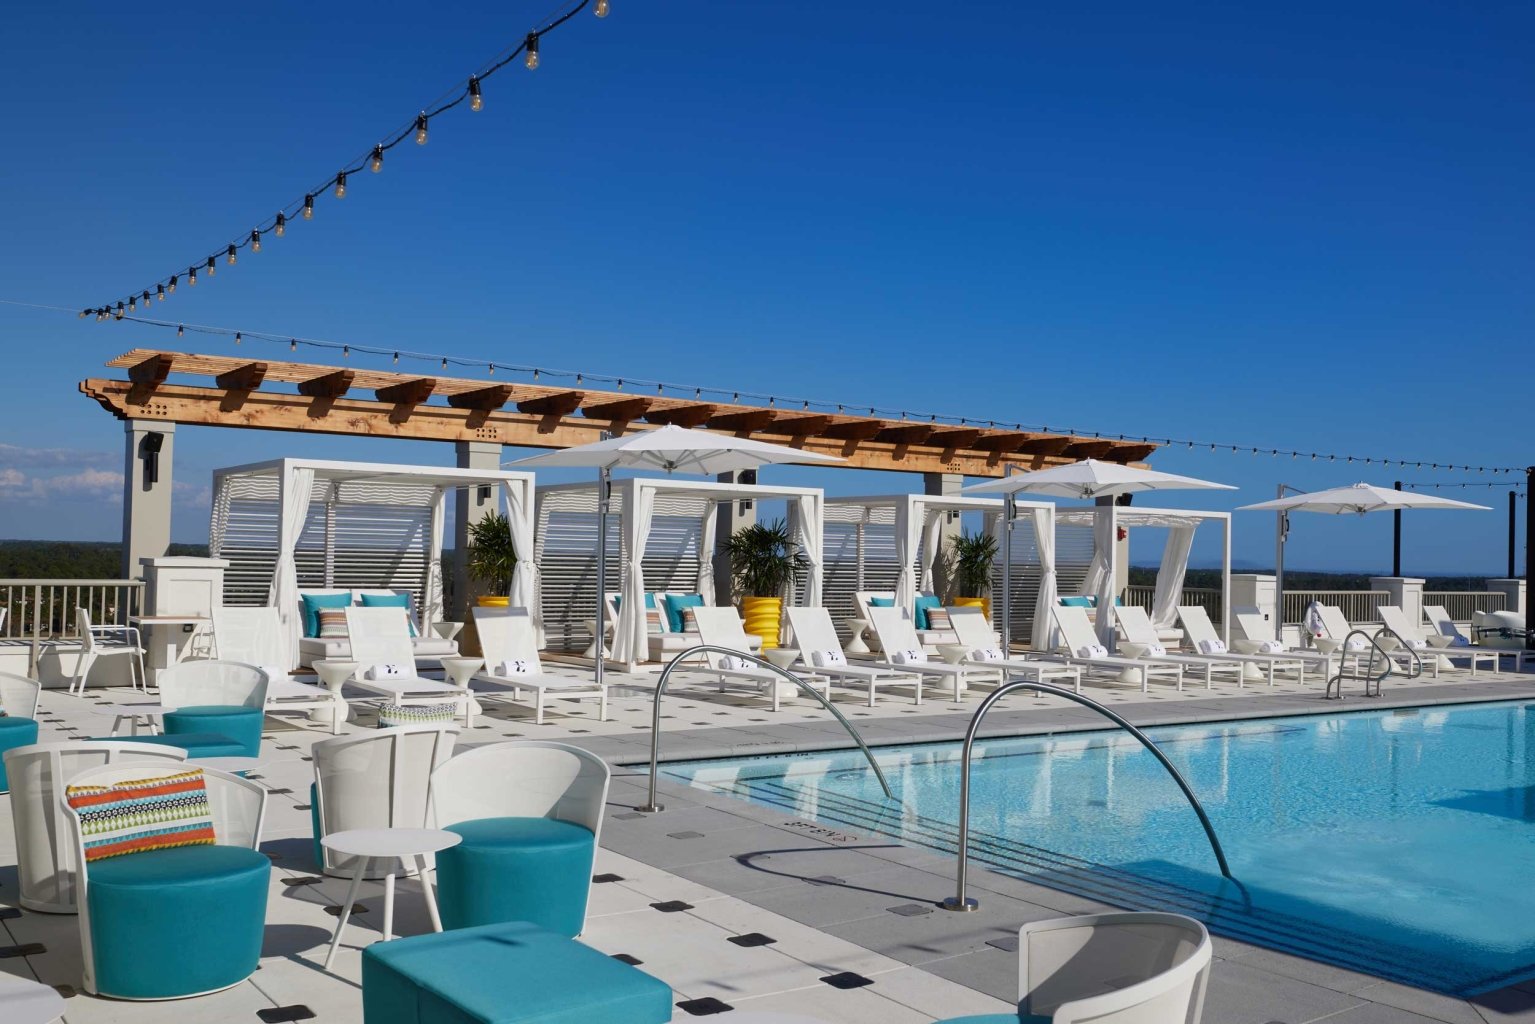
point(998, 1018)
point(196, 744)
point(505, 974)
point(176, 922)
point(881, 602)
point(314, 602)
point(1076, 602)
point(242, 725)
point(537, 870)
point(919, 609)
point(15, 731)
point(675, 603)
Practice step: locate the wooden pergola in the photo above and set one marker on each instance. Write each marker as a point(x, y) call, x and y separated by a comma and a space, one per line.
point(346, 400)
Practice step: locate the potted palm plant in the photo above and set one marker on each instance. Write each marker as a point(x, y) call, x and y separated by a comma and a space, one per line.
point(764, 562)
point(491, 559)
point(971, 557)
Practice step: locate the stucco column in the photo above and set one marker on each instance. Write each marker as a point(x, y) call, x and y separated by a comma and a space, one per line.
point(732, 515)
point(472, 505)
point(946, 485)
point(148, 446)
point(1406, 593)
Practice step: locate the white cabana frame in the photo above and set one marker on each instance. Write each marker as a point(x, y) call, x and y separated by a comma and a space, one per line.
point(634, 502)
point(918, 523)
point(261, 510)
point(1181, 524)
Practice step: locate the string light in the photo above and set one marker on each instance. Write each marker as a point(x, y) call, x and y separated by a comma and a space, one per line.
point(476, 101)
point(341, 185)
point(192, 276)
point(211, 266)
point(237, 337)
point(376, 162)
point(231, 254)
point(309, 207)
point(421, 129)
point(280, 228)
point(530, 47)
point(146, 299)
point(255, 241)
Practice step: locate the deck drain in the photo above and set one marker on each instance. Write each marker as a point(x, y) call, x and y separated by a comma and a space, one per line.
point(686, 835)
point(632, 961)
point(751, 939)
point(704, 1007)
point(847, 979)
point(278, 1014)
point(609, 877)
point(910, 910)
point(671, 906)
point(1007, 944)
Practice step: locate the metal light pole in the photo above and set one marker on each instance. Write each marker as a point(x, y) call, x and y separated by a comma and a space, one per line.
point(1281, 534)
point(1396, 539)
point(1007, 575)
point(603, 487)
point(1529, 563)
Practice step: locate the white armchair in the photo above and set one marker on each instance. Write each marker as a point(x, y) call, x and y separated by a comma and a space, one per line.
point(103, 642)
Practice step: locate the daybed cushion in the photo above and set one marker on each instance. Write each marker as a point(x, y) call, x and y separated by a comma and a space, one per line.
point(313, 648)
point(1076, 602)
point(505, 974)
point(675, 603)
point(537, 870)
point(919, 609)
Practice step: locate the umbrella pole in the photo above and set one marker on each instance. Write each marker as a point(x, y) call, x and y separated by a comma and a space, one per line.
point(602, 566)
point(1281, 527)
point(1007, 576)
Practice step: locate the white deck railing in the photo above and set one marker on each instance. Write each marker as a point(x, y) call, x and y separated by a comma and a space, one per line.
point(1461, 603)
point(1360, 607)
point(39, 611)
point(1205, 597)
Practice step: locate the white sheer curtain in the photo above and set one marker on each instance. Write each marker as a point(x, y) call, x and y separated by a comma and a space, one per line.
point(527, 584)
point(293, 494)
point(706, 541)
point(908, 534)
point(630, 642)
point(807, 510)
point(932, 540)
point(1044, 542)
point(1175, 563)
point(431, 605)
point(1100, 574)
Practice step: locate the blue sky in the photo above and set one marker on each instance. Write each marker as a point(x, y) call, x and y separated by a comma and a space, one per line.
point(1295, 226)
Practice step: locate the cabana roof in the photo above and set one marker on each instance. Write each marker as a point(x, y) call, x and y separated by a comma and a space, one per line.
point(704, 490)
point(375, 473)
point(1129, 515)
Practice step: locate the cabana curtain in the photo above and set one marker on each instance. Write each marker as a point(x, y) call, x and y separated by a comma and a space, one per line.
point(431, 604)
point(1100, 574)
point(932, 540)
point(807, 512)
point(706, 541)
point(294, 491)
point(1175, 564)
point(908, 533)
point(1044, 542)
point(630, 644)
point(527, 585)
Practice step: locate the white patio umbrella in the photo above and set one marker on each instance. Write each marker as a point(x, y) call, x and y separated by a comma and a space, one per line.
point(1357, 499)
point(670, 448)
point(1088, 479)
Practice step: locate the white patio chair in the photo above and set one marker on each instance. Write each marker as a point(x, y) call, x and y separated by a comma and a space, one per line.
point(45, 852)
point(507, 637)
point(974, 632)
point(1410, 636)
point(1117, 968)
point(220, 683)
point(1256, 632)
point(18, 695)
point(381, 637)
point(864, 600)
point(1268, 655)
point(254, 636)
point(377, 780)
point(98, 642)
point(1138, 630)
point(722, 627)
point(814, 631)
point(237, 806)
point(1081, 647)
point(897, 636)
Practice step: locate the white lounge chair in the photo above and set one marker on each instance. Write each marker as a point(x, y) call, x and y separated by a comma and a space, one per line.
point(1408, 633)
point(1081, 644)
point(97, 642)
point(1337, 627)
point(973, 631)
point(374, 780)
point(507, 637)
point(663, 643)
point(864, 600)
point(1270, 655)
point(1138, 630)
point(1116, 968)
point(1257, 633)
point(1440, 619)
point(254, 636)
point(721, 627)
point(381, 636)
point(898, 639)
point(814, 632)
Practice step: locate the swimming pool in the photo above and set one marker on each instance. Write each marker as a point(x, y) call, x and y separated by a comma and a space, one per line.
point(1399, 843)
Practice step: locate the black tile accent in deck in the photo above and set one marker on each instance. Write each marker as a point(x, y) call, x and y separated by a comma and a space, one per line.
point(303, 807)
point(751, 939)
point(826, 880)
point(278, 1014)
point(910, 910)
point(25, 949)
point(279, 792)
point(632, 961)
point(357, 908)
point(607, 877)
point(704, 1007)
point(628, 815)
point(7, 913)
point(1007, 944)
point(685, 835)
point(671, 906)
point(847, 979)
point(303, 880)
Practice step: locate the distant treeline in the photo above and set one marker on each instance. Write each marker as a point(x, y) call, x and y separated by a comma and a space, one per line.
point(70, 559)
point(1210, 579)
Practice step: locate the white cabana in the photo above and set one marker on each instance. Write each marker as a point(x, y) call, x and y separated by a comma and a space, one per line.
point(293, 523)
point(917, 523)
point(1106, 520)
point(689, 536)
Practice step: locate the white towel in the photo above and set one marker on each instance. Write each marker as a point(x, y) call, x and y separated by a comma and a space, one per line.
point(1356, 644)
point(516, 667)
point(733, 663)
point(387, 672)
point(826, 659)
point(909, 657)
point(1416, 644)
point(1270, 647)
point(1093, 651)
point(1156, 651)
point(1460, 641)
point(986, 654)
point(1212, 647)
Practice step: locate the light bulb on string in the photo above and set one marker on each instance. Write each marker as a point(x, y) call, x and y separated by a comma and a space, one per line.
point(146, 298)
point(531, 45)
point(421, 129)
point(281, 228)
point(445, 362)
point(210, 267)
point(160, 290)
point(341, 185)
point(601, 9)
point(231, 253)
point(237, 337)
point(476, 101)
point(130, 304)
point(255, 241)
point(376, 164)
point(309, 207)
point(180, 331)
point(292, 344)
point(192, 277)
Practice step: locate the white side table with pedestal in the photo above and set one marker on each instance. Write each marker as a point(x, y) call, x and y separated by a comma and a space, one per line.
point(395, 844)
point(333, 673)
point(855, 643)
point(459, 671)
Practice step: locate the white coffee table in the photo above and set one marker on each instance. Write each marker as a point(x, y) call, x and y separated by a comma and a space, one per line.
point(23, 1001)
point(855, 643)
point(459, 671)
point(397, 844)
point(150, 713)
point(953, 654)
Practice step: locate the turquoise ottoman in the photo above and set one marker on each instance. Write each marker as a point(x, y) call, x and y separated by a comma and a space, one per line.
point(505, 974)
point(196, 744)
point(177, 922)
point(15, 731)
point(537, 870)
point(243, 725)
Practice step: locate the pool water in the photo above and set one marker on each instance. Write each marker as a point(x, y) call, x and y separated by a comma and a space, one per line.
point(1397, 843)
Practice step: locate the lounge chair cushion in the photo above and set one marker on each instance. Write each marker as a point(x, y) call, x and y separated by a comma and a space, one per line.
point(177, 922)
point(15, 731)
point(314, 602)
point(240, 725)
point(505, 974)
point(537, 870)
point(312, 648)
point(675, 605)
point(920, 608)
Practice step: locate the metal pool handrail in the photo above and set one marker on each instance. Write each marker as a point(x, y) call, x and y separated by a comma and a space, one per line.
point(959, 901)
point(655, 716)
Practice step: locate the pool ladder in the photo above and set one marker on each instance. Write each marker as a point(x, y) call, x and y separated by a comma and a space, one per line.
point(1370, 677)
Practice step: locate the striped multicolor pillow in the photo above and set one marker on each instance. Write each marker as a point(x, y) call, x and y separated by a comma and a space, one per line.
point(689, 620)
point(938, 618)
point(390, 715)
point(333, 623)
point(143, 814)
point(653, 622)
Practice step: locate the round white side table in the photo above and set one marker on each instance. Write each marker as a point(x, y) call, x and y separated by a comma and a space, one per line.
point(333, 673)
point(591, 651)
point(782, 657)
point(953, 654)
point(150, 713)
point(447, 630)
point(855, 643)
point(459, 671)
point(367, 844)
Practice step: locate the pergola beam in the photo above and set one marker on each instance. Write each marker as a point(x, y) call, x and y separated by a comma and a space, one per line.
point(681, 415)
point(407, 392)
point(485, 399)
point(624, 410)
point(242, 378)
point(327, 385)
